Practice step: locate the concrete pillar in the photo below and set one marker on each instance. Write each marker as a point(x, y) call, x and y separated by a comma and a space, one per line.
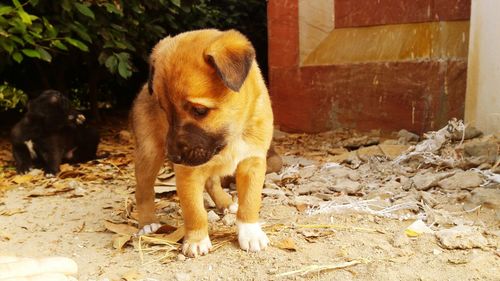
point(482, 106)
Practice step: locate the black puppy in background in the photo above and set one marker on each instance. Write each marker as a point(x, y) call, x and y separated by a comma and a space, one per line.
point(50, 133)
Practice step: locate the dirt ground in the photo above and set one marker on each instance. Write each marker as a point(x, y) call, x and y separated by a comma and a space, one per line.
point(338, 210)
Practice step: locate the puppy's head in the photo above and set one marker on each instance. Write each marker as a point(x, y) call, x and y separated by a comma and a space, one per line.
point(51, 108)
point(197, 78)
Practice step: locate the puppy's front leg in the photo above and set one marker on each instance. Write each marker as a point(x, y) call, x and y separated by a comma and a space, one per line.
point(190, 184)
point(250, 176)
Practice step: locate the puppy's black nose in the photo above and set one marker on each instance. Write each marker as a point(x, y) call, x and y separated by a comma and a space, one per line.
point(175, 158)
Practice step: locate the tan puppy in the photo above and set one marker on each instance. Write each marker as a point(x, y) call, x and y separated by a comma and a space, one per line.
point(207, 108)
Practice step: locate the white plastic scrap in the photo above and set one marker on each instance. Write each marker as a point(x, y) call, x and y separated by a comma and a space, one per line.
point(417, 228)
point(290, 172)
point(331, 165)
point(428, 148)
point(489, 176)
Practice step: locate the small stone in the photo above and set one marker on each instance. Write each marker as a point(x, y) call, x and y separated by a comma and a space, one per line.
point(309, 188)
point(392, 185)
point(181, 257)
point(307, 171)
point(306, 200)
point(272, 192)
point(346, 186)
point(182, 276)
point(334, 171)
point(354, 176)
point(484, 150)
point(291, 160)
point(212, 216)
point(207, 201)
point(427, 198)
point(486, 197)
point(274, 163)
point(229, 219)
point(390, 142)
point(462, 180)
point(437, 251)
point(365, 153)
point(278, 135)
point(400, 240)
point(427, 180)
point(357, 142)
point(470, 132)
point(393, 151)
point(337, 150)
point(406, 136)
point(273, 177)
point(461, 237)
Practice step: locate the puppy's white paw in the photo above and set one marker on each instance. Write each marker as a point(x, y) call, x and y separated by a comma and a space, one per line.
point(197, 248)
point(148, 229)
point(251, 237)
point(232, 209)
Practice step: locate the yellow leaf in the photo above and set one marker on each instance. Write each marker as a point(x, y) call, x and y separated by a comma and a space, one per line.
point(12, 212)
point(132, 275)
point(119, 240)
point(287, 244)
point(123, 229)
point(5, 236)
point(65, 167)
point(301, 207)
point(59, 185)
point(19, 179)
point(175, 236)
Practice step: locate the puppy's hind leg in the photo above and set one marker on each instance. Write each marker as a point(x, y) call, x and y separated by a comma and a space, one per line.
point(222, 199)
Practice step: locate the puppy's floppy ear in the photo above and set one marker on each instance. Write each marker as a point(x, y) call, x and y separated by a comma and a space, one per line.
point(150, 78)
point(232, 55)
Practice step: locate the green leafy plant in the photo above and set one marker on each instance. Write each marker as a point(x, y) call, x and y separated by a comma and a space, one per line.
point(26, 35)
point(11, 98)
point(101, 47)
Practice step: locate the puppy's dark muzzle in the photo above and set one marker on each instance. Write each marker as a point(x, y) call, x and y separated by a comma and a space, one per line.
point(195, 156)
point(190, 145)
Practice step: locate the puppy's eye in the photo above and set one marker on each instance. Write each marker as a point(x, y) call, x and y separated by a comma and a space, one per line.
point(199, 110)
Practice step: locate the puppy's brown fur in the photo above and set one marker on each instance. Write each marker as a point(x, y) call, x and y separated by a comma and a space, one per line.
point(207, 108)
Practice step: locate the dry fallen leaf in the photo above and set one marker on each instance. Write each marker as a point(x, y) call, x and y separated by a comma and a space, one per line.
point(65, 167)
point(131, 275)
point(119, 240)
point(5, 236)
point(173, 236)
point(79, 228)
point(19, 179)
point(287, 244)
point(123, 229)
point(301, 207)
point(70, 174)
point(164, 188)
point(11, 212)
point(59, 185)
point(49, 193)
point(166, 174)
